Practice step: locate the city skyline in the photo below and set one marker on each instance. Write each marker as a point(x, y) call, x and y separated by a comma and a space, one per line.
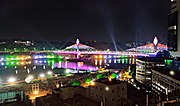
point(88, 20)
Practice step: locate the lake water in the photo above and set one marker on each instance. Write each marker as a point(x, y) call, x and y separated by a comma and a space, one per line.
point(20, 66)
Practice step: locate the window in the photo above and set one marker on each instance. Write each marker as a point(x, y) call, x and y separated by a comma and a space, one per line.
point(100, 89)
point(112, 91)
point(123, 89)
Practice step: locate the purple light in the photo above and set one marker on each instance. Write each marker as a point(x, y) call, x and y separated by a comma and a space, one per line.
point(36, 61)
point(35, 57)
point(75, 66)
point(105, 56)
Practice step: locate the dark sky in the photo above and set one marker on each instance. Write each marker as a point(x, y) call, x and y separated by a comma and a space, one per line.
point(101, 20)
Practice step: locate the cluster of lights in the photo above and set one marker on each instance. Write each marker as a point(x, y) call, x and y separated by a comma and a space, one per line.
point(1, 59)
point(11, 79)
point(46, 57)
point(44, 62)
point(110, 56)
point(13, 63)
point(42, 75)
point(12, 58)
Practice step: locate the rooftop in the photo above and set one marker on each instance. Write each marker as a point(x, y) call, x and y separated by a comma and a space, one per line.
point(151, 59)
point(107, 82)
point(77, 100)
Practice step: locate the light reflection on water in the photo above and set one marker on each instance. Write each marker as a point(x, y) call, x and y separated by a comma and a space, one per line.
point(101, 62)
point(22, 68)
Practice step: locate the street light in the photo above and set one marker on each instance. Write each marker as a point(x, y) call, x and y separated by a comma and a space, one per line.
point(49, 72)
point(107, 88)
point(36, 92)
point(68, 70)
point(41, 75)
point(30, 77)
point(172, 73)
point(11, 79)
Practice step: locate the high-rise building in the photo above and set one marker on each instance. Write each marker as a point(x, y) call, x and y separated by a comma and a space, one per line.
point(174, 28)
point(144, 68)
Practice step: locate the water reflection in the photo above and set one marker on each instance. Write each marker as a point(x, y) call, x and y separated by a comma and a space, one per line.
point(100, 62)
point(23, 66)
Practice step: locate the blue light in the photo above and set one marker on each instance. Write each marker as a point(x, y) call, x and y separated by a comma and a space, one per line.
point(2, 59)
point(36, 61)
point(114, 56)
point(2, 64)
point(110, 56)
point(117, 76)
point(35, 57)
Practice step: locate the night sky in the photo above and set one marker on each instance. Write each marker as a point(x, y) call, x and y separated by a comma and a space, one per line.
point(101, 20)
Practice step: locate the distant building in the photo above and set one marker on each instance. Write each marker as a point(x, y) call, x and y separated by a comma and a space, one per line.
point(174, 28)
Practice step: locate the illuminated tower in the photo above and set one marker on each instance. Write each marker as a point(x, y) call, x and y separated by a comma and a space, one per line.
point(77, 48)
point(174, 28)
point(155, 42)
point(77, 43)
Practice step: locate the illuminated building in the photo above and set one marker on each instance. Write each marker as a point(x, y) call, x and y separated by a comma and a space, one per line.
point(143, 69)
point(166, 82)
point(115, 93)
point(173, 28)
point(108, 92)
point(165, 79)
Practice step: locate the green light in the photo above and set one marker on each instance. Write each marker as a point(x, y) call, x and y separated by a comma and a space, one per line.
point(99, 76)
point(75, 83)
point(122, 56)
point(48, 56)
point(7, 63)
point(12, 63)
point(88, 80)
point(123, 61)
point(126, 60)
point(119, 61)
point(113, 75)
